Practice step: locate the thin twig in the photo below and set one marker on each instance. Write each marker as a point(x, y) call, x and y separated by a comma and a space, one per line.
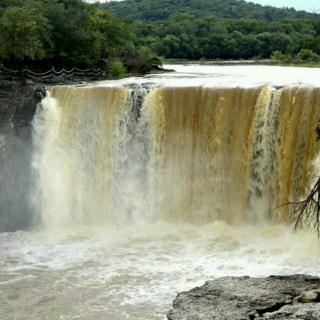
point(306, 213)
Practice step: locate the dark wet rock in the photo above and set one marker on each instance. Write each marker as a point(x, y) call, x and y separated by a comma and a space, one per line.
point(245, 298)
point(18, 103)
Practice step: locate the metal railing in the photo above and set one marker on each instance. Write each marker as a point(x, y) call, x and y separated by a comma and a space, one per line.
point(54, 75)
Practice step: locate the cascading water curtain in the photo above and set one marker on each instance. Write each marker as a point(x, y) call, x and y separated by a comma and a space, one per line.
point(195, 154)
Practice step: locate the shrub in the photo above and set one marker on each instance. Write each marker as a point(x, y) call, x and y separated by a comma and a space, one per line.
point(307, 55)
point(116, 69)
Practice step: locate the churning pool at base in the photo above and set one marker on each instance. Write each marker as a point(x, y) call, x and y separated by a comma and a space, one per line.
point(134, 272)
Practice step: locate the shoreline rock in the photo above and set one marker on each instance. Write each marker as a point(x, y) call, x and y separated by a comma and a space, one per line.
point(245, 298)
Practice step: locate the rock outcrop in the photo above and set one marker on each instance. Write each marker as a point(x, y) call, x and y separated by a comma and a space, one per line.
point(245, 298)
point(18, 103)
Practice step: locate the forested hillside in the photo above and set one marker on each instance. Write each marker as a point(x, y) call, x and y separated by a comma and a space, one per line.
point(155, 10)
point(74, 33)
point(220, 29)
point(69, 33)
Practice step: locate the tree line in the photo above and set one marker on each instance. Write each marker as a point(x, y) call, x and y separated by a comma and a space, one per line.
point(69, 33)
point(219, 29)
point(156, 10)
point(129, 36)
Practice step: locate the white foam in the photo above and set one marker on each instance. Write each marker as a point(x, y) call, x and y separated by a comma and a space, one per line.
point(226, 76)
point(134, 272)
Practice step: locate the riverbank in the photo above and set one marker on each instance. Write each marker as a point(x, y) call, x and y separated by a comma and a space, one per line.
point(264, 62)
point(63, 76)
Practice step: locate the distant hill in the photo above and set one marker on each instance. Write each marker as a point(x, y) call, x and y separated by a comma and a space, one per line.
point(220, 29)
point(157, 10)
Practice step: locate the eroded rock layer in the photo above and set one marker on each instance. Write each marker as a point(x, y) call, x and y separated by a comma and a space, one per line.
point(245, 298)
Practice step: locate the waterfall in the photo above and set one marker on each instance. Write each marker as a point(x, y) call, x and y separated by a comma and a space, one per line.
point(194, 154)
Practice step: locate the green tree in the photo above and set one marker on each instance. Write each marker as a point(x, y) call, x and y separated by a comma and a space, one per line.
point(307, 55)
point(115, 68)
point(170, 46)
point(110, 35)
point(216, 29)
point(277, 56)
point(143, 60)
point(24, 33)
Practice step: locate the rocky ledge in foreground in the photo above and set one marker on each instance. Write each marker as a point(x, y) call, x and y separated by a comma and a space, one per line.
point(245, 298)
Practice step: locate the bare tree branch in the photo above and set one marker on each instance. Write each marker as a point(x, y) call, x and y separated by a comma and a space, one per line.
point(306, 213)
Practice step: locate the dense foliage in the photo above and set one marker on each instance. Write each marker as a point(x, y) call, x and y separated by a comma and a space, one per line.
point(156, 10)
point(68, 33)
point(219, 29)
point(304, 56)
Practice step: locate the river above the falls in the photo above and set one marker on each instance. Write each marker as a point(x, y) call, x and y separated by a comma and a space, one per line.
point(144, 191)
point(229, 76)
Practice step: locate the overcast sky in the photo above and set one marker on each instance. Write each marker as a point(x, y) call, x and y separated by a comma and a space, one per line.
point(310, 5)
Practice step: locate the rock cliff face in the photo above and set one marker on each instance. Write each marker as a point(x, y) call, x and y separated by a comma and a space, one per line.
point(18, 103)
point(245, 298)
